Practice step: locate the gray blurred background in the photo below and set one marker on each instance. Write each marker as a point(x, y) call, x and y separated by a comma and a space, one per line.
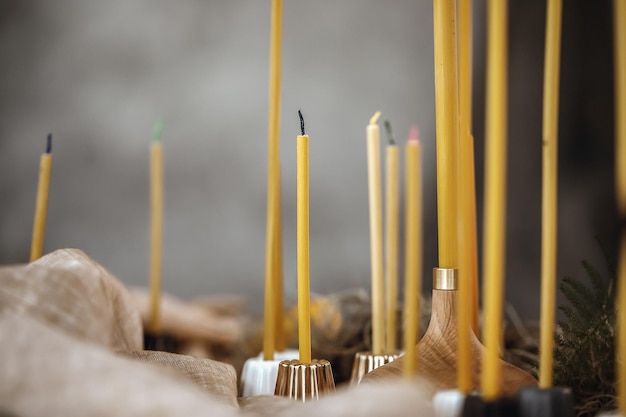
point(99, 74)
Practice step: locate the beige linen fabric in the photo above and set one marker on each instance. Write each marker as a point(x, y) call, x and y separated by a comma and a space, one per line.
point(69, 291)
point(218, 378)
point(188, 321)
point(44, 372)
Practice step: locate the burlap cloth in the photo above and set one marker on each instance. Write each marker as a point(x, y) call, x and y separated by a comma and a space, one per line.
point(71, 345)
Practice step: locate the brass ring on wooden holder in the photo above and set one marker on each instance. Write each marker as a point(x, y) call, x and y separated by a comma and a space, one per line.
point(445, 279)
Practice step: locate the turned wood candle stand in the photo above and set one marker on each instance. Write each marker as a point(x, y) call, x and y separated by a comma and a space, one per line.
point(436, 351)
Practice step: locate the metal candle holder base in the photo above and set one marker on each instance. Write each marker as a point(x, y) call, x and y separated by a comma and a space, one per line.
point(304, 381)
point(366, 362)
point(546, 402)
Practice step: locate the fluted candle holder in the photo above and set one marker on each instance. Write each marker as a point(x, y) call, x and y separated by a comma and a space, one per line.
point(304, 381)
point(366, 362)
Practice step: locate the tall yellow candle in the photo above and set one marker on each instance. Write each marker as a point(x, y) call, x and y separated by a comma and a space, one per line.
point(279, 313)
point(447, 108)
point(467, 239)
point(549, 190)
point(376, 234)
point(304, 294)
point(274, 224)
point(156, 228)
point(620, 350)
point(41, 206)
point(413, 251)
point(391, 239)
point(495, 194)
point(619, 27)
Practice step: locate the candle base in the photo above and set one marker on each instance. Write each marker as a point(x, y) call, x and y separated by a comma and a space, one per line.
point(258, 376)
point(449, 403)
point(304, 381)
point(475, 406)
point(366, 362)
point(542, 402)
point(160, 342)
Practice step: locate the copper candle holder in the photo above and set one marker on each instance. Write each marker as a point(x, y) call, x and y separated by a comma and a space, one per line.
point(304, 381)
point(366, 362)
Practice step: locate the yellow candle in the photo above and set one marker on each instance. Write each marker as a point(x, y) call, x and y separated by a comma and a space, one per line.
point(269, 309)
point(446, 106)
point(467, 239)
point(274, 225)
point(619, 27)
point(495, 194)
point(156, 228)
point(413, 251)
point(304, 295)
point(549, 190)
point(474, 239)
point(621, 325)
point(279, 316)
point(376, 234)
point(391, 239)
point(41, 206)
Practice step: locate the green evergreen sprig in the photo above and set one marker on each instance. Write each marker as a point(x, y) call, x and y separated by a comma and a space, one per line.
point(585, 341)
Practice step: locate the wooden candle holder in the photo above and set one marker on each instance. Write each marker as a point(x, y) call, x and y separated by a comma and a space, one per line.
point(436, 352)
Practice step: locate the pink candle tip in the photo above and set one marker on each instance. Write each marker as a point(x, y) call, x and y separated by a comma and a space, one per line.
point(414, 134)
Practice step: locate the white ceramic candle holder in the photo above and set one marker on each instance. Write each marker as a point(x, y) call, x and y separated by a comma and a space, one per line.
point(448, 403)
point(258, 376)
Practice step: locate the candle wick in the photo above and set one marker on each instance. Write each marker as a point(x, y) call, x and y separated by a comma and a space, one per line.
point(49, 143)
point(374, 118)
point(389, 135)
point(157, 130)
point(301, 122)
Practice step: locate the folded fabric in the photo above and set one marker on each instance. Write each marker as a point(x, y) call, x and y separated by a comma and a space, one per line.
point(45, 372)
point(217, 378)
point(68, 290)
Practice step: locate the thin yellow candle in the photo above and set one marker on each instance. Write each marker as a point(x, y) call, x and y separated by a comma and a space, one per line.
point(467, 174)
point(274, 224)
point(391, 238)
point(376, 234)
point(413, 251)
point(549, 190)
point(619, 27)
point(41, 206)
point(620, 350)
point(269, 310)
point(279, 314)
point(447, 107)
point(304, 293)
point(495, 194)
point(467, 239)
point(156, 228)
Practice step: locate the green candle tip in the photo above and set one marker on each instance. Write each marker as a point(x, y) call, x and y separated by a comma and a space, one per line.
point(157, 130)
point(389, 135)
